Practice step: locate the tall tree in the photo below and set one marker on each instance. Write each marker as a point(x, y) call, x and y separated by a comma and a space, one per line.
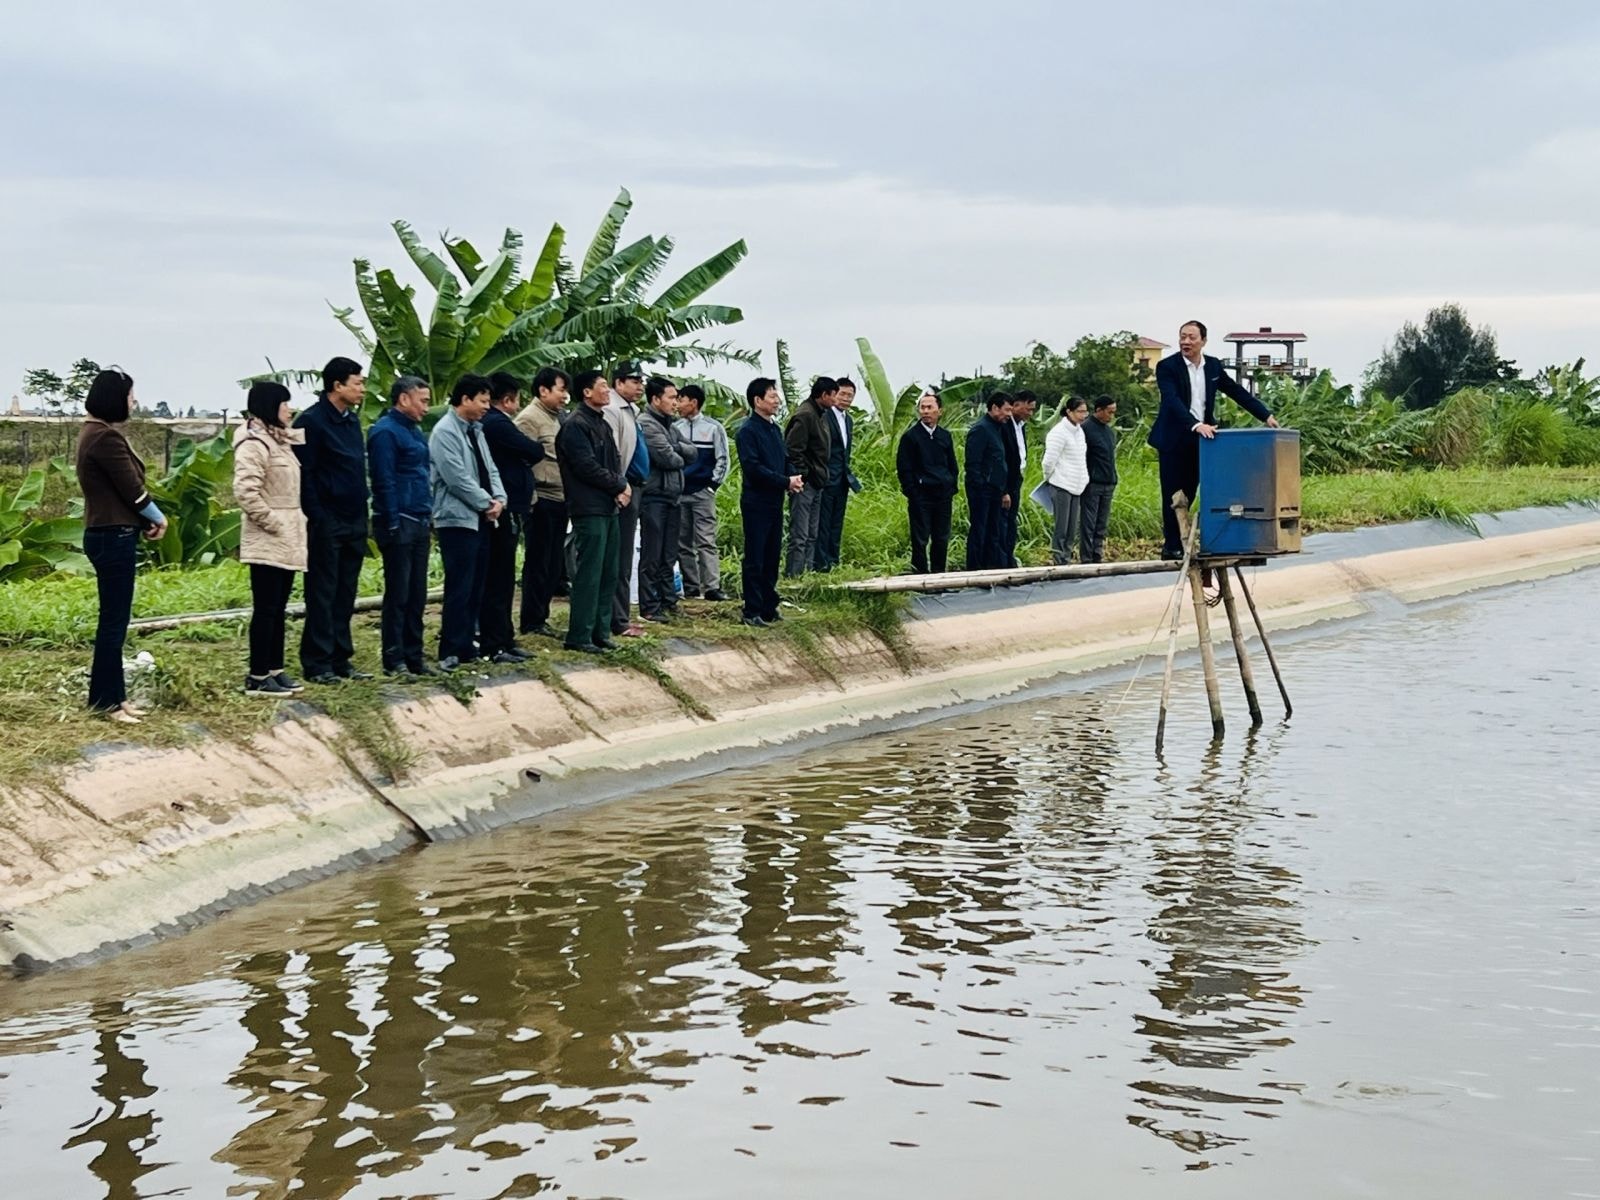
point(1097, 365)
point(76, 388)
point(46, 385)
point(1424, 365)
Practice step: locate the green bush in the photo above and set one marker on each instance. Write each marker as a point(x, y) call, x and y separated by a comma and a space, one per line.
point(1530, 434)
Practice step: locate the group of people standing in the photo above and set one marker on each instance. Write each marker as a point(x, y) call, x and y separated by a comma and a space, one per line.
point(575, 488)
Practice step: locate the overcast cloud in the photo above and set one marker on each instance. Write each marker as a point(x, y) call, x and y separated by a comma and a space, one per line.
point(184, 185)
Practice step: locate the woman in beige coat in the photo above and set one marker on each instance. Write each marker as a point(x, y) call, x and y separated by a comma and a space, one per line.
point(272, 535)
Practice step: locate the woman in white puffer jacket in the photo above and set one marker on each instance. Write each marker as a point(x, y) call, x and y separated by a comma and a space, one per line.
point(1066, 474)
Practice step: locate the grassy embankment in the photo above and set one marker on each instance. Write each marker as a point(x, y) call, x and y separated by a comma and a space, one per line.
point(46, 625)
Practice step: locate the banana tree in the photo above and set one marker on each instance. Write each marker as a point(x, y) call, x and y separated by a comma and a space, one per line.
point(485, 316)
point(29, 546)
point(200, 530)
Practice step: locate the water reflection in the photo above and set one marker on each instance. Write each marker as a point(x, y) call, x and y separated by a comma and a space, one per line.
point(966, 960)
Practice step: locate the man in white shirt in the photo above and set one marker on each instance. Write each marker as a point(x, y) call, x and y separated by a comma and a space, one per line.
point(1189, 382)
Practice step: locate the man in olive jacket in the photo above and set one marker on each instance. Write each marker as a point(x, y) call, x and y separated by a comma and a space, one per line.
point(809, 441)
point(591, 477)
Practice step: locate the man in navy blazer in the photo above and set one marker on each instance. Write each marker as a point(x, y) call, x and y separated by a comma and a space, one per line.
point(1188, 382)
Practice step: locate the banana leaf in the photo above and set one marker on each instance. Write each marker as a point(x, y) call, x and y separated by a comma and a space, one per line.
point(701, 279)
point(434, 269)
point(604, 243)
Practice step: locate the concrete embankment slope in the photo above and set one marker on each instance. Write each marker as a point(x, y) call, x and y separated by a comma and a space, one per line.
point(137, 843)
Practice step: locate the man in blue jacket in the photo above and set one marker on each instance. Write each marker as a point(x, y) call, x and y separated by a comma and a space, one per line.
point(468, 499)
point(767, 476)
point(987, 474)
point(402, 506)
point(333, 493)
point(514, 454)
point(1188, 382)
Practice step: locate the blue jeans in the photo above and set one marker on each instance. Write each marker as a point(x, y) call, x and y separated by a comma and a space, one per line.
point(113, 550)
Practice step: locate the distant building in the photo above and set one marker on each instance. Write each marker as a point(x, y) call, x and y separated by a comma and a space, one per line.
point(1147, 353)
point(1248, 362)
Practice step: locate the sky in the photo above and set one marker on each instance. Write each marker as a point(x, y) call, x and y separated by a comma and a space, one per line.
point(184, 185)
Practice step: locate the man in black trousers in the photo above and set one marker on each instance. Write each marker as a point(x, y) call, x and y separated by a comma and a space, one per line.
point(544, 559)
point(333, 493)
point(514, 454)
point(1189, 382)
point(1016, 445)
point(925, 463)
point(767, 476)
point(987, 475)
point(841, 479)
point(1100, 451)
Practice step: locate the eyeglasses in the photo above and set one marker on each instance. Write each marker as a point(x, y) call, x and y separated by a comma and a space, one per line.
point(117, 369)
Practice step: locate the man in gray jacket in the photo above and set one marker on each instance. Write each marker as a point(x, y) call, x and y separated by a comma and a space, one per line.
point(697, 521)
point(467, 498)
point(670, 448)
point(627, 385)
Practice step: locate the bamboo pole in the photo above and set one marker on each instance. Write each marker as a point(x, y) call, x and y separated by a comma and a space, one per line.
point(154, 624)
point(1208, 658)
point(1180, 506)
point(1006, 576)
point(1277, 673)
point(1246, 675)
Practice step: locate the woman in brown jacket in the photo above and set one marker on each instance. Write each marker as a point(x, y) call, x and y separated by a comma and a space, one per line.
point(272, 535)
point(116, 507)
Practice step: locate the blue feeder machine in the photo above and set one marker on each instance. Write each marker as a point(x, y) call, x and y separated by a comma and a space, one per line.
point(1249, 501)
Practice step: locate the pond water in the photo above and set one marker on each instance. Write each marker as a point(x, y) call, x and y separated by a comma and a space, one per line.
point(1004, 954)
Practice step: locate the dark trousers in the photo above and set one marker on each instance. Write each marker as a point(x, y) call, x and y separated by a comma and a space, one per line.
point(830, 525)
point(762, 517)
point(1180, 470)
point(1005, 550)
point(405, 593)
point(114, 552)
point(930, 530)
point(984, 547)
point(333, 572)
point(544, 563)
point(270, 588)
point(658, 553)
point(465, 555)
point(627, 529)
point(1096, 521)
point(495, 632)
point(594, 579)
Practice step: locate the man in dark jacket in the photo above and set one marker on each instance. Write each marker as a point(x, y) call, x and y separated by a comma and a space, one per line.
point(333, 493)
point(1016, 444)
point(1100, 446)
point(925, 463)
point(1189, 382)
point(591, 477)
point(988, 475)
point(402, 507)
point(841, 480)
point(767, 477)
point(670, 449)
point(809, 439)
point(514, 454)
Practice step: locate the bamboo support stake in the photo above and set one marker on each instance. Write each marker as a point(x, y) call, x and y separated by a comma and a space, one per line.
point(1246, 675)
point(1208, 658)
point(1277, 674)
point(1180, 505)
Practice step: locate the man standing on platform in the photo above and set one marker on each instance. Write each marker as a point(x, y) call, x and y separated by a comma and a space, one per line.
point(841, 480)
point(623, 418)
point(768, 476)
point(1100, 436)
point(333, 493)
point(926, 466)
point(988, 475)
point(514, 454)
point(468, 498)
point(697, 538)
point(544, 556)
point(402, 507)
point(596, 491)
point(809, 439)
point(1188, 382)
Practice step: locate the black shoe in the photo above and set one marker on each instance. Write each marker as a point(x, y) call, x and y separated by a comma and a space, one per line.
point(755, 621)
point(688, 595)
point(449, 663)
point(584, 648)
point(656, 618)
point(285, 680)
point(715, 594)
point(396, 672)
point(1172, 556)
point(518, 653)
point(607, 644)
point(773, 618)
point(269, 687)
point(541, 631)
point(326, 678)
point(420, 669)
point(354, 675)
point(505, 658)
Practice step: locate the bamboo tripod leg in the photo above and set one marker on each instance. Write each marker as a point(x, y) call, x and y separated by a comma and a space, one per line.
point(1246, 675)
point(1180, 505)
point(1277, 674)
point(1208, 659)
